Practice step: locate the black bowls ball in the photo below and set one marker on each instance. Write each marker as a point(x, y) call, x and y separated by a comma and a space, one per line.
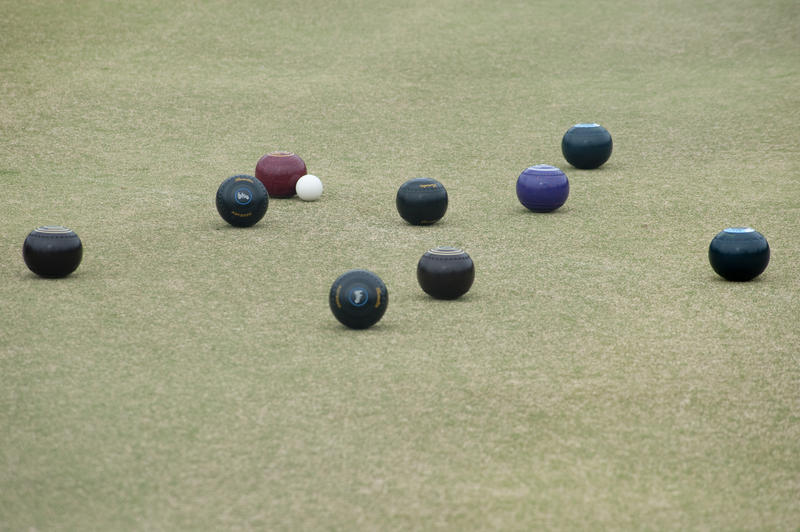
point(421, 201)
point(242, 200)
point(358, 299)
point(445, 272)
point(52, 251)
point(586, 146)
point(739, 253)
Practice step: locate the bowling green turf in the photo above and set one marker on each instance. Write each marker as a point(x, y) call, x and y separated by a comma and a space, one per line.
point(599, 375)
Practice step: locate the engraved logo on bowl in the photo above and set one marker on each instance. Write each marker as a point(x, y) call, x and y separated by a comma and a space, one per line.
point(242, 196)
point(358, 296)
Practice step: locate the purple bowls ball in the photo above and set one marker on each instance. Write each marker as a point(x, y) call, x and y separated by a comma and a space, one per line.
point(542, 188)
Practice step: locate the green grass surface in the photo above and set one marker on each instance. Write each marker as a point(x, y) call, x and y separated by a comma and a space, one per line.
point(190, 375)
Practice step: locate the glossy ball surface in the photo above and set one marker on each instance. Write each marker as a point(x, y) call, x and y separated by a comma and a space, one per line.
point(242, 200)
point(587, 146)
point(358, 299)
point(421, 201)
point(739, 253)
point(279, 171)
point(542, 188)
point(52, 251)
point(445, 272)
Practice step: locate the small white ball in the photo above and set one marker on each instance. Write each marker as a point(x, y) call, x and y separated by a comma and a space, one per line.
point(309, 188)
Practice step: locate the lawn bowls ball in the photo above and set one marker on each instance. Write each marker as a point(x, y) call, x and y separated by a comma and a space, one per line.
point(542, 188)
point(739, 253)
point(358, 299)
point(309, 188)
point(279, 171)
point(586, 146)
point(445, 272)
point(421, 201)
point(242, 200)
point(52, 251)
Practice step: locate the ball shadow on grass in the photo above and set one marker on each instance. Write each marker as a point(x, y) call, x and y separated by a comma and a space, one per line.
point(521, 209)
point(421, 296)
point(222, 226)
point(719, 280)
point(568, 169)
point(399, 222)
point(334, 326)
point(29, 276)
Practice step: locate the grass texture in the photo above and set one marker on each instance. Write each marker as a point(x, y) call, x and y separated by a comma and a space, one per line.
point(598, 375)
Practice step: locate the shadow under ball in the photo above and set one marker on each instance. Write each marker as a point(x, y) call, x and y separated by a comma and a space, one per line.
point(52, 251)
point(445, 272)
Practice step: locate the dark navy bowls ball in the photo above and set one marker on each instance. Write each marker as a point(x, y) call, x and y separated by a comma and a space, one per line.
point(242, 200)
point(421, 201)
point(739, 253)
point(587, 146)
point(358, 298)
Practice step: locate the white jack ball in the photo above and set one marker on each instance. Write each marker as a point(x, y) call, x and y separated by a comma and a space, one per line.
point(309, 188)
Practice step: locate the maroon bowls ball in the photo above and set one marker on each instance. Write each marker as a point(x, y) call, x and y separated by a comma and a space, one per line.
point(279, 172)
